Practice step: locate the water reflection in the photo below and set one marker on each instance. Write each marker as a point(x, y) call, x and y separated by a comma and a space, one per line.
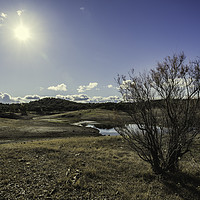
point(103, 129)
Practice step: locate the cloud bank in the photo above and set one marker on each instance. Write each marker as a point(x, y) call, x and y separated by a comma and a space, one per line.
point(76, 98)
point(79, 98)
point(6, 98)
point(83, 98)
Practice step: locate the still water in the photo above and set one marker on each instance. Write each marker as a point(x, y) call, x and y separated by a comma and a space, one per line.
point(112, 131)
point(91, 124)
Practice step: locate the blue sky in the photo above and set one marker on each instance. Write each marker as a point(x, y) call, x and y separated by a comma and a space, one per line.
point(76, 48)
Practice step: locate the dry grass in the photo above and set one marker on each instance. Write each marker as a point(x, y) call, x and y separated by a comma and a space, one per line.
point(99, 115)
point(89, 168)
point(57, 125)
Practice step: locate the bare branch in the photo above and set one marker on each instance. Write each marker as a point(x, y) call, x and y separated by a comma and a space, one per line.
point(165, 108)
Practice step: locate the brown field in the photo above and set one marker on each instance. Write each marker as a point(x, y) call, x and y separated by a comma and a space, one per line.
point(41, 160)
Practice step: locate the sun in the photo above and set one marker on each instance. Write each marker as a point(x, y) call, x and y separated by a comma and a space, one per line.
point(22, 32)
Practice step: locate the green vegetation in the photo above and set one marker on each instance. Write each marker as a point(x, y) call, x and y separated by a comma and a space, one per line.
point(90, 168)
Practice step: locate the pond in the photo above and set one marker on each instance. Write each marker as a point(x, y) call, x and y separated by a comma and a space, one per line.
point(105, 129)
point(93, 124)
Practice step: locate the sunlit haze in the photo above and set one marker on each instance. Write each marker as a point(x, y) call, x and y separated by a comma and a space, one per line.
point(22, 32)
point(74, 49)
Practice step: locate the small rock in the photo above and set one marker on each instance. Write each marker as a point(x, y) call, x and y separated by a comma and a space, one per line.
point(53, 191)
point(68, 172)
point(22, 160)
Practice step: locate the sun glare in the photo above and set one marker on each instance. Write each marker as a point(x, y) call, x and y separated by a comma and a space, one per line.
point(22, 33)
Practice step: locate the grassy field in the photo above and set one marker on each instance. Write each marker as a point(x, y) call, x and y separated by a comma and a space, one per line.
point(42, 158)
point(89, 168)
point(52, 126)
point(57, 125)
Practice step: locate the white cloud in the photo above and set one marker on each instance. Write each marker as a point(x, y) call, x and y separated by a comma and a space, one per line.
point(83, 88)
point(5, 98)
point(82, 8)
point(66, 97)
point(19, 12)
point(4, 15)
point(100, 99)
point(61, 87)
point(110, 86)
point(126, 84)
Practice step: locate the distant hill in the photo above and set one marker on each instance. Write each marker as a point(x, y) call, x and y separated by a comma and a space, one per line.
point(55, 104)
point(52, 105)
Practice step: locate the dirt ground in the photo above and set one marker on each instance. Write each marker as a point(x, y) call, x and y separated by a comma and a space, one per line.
point(19, 129)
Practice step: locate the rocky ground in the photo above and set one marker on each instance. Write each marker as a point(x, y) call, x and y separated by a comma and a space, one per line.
point(88, 168)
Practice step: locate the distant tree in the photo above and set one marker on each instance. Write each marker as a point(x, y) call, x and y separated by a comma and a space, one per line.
point(12, 108)
point(23, 109)
point(165, 108)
